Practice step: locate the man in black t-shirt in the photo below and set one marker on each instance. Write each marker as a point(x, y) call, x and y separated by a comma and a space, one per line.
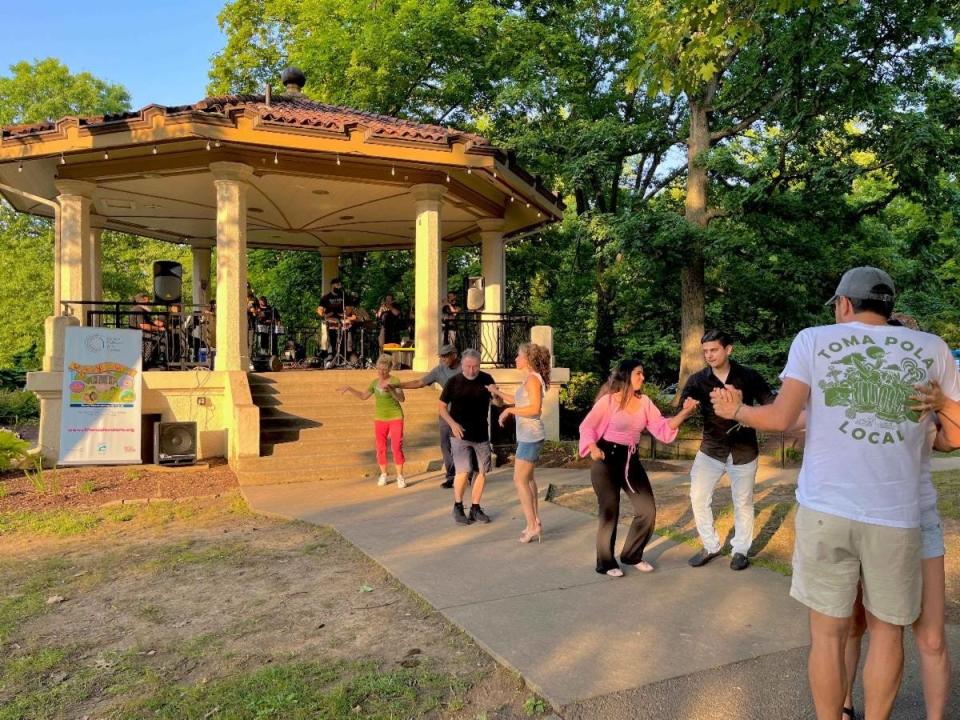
point(389, 316)
point(727, 446)
point(465, 407)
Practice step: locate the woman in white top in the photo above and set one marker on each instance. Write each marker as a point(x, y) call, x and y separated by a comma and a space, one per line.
point(527, 405)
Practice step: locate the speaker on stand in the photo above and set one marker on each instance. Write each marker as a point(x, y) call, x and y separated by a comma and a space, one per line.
point(475, 294)
point(167, 281)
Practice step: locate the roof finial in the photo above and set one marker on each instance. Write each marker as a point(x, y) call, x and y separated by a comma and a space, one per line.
point(293, 80)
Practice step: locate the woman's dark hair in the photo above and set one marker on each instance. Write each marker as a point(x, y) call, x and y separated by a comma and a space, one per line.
point(620, 380)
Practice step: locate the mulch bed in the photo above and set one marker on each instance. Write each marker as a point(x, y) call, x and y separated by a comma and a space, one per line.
point(91, 487)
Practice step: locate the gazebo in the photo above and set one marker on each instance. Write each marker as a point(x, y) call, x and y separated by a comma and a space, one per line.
point(260, 171)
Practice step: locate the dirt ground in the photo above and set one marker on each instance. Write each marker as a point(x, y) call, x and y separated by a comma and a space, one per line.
point(200, 609)
point(775, 509)
point(96, 486)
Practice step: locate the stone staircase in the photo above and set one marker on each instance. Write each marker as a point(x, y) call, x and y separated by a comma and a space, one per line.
point(308, 431)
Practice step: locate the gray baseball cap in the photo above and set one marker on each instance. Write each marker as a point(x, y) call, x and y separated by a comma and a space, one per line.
point(447, 349)
point(858, 283)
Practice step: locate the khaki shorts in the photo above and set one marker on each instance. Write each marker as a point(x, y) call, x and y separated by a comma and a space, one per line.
point(832, 554)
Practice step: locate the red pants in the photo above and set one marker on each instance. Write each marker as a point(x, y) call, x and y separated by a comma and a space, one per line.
point(393, 428)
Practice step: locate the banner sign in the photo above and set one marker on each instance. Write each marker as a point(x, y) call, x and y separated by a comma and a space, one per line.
point(102, 392)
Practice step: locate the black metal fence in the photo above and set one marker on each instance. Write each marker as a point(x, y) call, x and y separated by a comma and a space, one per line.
point(175, 337)
point(182, 337)
point(496, 335)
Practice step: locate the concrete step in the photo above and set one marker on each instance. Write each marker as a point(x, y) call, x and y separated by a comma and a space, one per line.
point(333, 444)
point(276, 477)
point(351, 427)
point(319, 406)
point(313, 460)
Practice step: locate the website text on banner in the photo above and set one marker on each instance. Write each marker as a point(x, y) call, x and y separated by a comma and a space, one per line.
point(102, 394)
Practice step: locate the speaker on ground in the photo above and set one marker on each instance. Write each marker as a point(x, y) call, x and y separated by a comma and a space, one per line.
point(175, 443)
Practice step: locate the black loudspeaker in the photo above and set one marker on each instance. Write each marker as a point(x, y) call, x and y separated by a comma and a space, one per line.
point(175, 443)
point(167, 281)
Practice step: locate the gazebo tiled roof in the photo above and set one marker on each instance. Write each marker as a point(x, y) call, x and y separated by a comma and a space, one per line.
point(290, 110)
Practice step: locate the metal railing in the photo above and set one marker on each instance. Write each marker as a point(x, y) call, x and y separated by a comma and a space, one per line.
point(175, 336)
point(182, 337)
point(496, 335)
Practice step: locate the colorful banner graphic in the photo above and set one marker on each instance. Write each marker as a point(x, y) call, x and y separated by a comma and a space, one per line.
point(102, 392)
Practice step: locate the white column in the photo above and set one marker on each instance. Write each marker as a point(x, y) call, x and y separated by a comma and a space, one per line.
point(428, 270)
point(330, 270)
point(493, 265)
point(76, 199)
point(200, 275)
point(96, 263)
point(57, 261)
point(231, 183)
point(444, 269)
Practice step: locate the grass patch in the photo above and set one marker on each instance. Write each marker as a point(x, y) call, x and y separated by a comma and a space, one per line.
point(29, 687)
point(332, 691)
point(70, 523)
point(947, 484)
point(183, 554)
point(30, 599)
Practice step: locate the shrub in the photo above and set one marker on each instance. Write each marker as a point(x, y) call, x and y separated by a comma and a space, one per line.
point(17, 406)
point(12, 449)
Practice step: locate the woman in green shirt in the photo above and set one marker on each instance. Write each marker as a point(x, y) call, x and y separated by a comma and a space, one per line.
point(388, 416)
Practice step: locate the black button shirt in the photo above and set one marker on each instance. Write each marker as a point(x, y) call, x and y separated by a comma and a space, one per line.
point(720, 439)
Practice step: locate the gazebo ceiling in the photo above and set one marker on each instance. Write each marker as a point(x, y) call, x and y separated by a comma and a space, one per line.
point(324, 176)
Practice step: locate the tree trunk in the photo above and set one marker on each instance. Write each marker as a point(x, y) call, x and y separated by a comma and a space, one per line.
point(692, 281)
point(603, 345)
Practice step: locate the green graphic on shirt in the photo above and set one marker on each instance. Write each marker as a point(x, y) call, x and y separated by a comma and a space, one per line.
point(866, 382)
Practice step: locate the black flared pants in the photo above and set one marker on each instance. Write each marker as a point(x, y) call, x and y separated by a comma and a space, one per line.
point(608, 479)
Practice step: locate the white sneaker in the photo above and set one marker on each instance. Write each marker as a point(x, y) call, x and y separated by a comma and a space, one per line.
point(401, 481)
point(383, 480)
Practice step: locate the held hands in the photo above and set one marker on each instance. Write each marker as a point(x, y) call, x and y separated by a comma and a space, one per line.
point(495, 391)
point(726, 401)
point(929, 398)
point(690, 405)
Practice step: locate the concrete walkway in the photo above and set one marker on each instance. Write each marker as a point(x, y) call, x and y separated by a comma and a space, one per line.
point(677, 643)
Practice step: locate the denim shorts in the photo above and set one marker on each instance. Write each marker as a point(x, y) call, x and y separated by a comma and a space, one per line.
point(529, 451)
point(931, 541)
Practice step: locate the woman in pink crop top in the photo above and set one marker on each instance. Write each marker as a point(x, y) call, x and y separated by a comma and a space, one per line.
point(609, 434)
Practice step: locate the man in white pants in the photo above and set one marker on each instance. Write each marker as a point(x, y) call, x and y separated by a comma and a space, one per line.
point(727, 447)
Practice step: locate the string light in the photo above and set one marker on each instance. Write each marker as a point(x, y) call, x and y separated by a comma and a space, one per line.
point(106, 154)
point(528, 204)
point(512, 198)
point(393, 170)
point(276, 158)
point(469, 171)
point(448, 177)
point(338, 159)
point(208, 145)
point(63, 160)
point(216, 143)
point(20, 166)
point(155, 151)
point(494, 174)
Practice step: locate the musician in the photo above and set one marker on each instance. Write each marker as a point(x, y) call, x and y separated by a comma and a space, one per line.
point(449, 313)
point(331, 310)
point(141, 318)
point(266, 317)
point(388, 315)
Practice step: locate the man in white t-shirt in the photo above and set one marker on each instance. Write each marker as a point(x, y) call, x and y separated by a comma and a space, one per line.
point(858, 488)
